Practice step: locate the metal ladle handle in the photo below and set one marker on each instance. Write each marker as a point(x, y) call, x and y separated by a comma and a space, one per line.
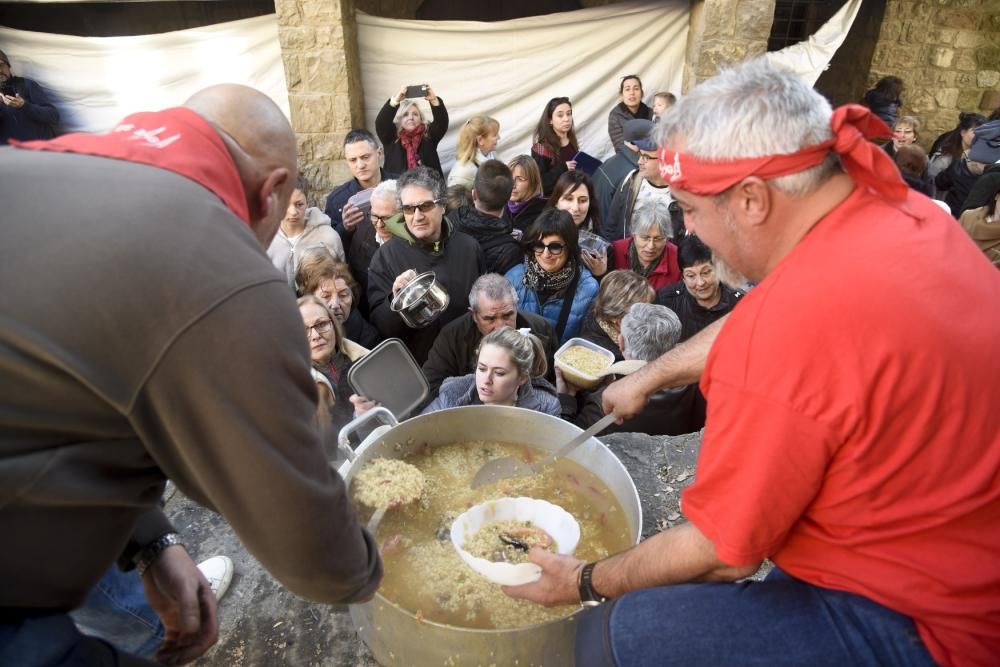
point(599, 426)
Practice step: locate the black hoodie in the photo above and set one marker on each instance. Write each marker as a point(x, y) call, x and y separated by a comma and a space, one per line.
point(500, 251)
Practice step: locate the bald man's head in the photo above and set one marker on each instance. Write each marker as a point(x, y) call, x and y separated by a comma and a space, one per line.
point(262, 144)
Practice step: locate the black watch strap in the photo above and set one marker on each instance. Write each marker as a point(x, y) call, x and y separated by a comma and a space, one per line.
point(148, 555)
point(589, 597)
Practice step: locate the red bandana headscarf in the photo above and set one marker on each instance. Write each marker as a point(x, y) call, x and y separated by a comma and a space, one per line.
point(852, 126)
point(178, 140)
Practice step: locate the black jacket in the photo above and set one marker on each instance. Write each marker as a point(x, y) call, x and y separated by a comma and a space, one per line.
point(526, 216)
point(454, 350)
point(500, 251)
point(456, 262)
point(958, 181)
point(984, 189)
point(673, 411)
point(613, 225)
point(362, 248)
point(395, 154)
point(693, 317)
point(358, 329)
point(609, 176)
point(35, 120)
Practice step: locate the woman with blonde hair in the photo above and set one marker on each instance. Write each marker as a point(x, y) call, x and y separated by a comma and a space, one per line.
point(330, 361)
point(510, 371)
point(331, 281)
point(410, 139)
point(619, 291)
point(477, 142)
point(526, 200)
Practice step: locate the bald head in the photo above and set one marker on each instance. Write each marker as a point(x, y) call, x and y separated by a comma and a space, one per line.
point(262, 145)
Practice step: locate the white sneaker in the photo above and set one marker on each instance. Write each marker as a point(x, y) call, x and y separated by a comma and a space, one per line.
point(219, 572)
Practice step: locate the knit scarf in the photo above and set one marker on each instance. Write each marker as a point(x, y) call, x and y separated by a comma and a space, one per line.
point(539, 280)
point(515, 207)
point(411, 142)
point(636, 265)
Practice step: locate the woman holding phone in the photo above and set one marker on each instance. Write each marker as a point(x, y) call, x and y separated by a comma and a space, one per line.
point(410, 139)
point(574, 193)
point(555, 142)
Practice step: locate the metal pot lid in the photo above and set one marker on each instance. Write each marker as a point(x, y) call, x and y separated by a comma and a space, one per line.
point(390, 375)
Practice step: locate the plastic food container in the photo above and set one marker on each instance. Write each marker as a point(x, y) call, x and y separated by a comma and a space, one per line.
point(574, 375)
point(554, 520)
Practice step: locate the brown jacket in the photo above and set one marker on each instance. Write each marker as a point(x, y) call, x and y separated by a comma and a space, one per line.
point(986, 234)
point(144, 334)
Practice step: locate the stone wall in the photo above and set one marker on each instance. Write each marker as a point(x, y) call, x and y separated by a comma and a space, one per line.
point(723, 32)
point(948, 55)
point(320, 53)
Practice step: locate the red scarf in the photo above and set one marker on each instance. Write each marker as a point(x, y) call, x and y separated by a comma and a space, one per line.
point(852, 125)
point(178, 140)
point(411, 142)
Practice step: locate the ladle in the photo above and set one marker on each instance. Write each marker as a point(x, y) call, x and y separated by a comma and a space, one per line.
point(508, 466)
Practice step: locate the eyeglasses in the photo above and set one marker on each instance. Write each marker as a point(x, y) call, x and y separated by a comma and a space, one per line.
point(321, 327)
point(643, 157)
point(424, 206)
point(554, 248)
point(380, 219)
point(655, 240)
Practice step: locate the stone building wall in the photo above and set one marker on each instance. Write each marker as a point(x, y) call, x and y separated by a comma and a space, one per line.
point(723, 32)
point(948, 55)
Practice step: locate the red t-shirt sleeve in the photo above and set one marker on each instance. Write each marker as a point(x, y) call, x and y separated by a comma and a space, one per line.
point(761, 464)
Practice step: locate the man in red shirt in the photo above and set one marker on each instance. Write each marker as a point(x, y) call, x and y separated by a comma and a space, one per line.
point(851, 436)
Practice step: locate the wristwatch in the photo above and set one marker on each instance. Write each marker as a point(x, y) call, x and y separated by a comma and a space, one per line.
point(589, 597)
point(148, 555)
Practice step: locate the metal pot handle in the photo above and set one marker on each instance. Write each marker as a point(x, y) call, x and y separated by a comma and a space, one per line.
point(344, 437)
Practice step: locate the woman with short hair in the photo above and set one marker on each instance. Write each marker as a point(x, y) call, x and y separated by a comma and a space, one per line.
point(477, 142)
point(649, 251)
point(619, 290)
point(410, 139)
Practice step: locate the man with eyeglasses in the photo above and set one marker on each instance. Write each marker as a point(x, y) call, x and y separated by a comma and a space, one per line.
point(643, 184)
point(699, 298)
point(422, 241)
point(363, 155)
point(371, 234)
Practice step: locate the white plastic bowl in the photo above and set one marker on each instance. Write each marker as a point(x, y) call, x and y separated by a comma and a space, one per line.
point(553, 519)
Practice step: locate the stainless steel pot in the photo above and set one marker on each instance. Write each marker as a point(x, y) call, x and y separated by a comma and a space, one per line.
point(393, 634)
point(421, 301)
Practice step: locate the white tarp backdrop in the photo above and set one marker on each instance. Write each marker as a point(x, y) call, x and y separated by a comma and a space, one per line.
point(810, 58)
point(510, 69)
point(95, 81)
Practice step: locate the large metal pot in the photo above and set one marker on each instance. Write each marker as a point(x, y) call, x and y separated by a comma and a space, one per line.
point(421, 301)
point(394, 635)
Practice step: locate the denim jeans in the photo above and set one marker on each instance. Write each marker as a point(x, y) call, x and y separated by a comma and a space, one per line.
point(779, 621)
point(54, 641)
point(117, 611)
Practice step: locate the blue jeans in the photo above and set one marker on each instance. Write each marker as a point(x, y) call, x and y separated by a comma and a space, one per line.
point(116, 610)
point(54, 641)
point(779, 621)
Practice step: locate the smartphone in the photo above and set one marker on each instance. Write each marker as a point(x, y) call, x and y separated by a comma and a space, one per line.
point(416, 92)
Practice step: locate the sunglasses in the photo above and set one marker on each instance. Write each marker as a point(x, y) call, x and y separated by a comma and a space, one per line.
point(554, 248)
point(424, 206)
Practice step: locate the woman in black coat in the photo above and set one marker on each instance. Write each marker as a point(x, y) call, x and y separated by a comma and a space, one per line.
point(410, 140)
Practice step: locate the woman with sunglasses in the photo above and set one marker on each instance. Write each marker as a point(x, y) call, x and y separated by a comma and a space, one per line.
point(553, 281)
point(555, 142)
point(629, 108)
point(574, 193)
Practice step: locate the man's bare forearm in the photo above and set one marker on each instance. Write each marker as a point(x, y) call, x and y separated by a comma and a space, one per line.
point(684, 364)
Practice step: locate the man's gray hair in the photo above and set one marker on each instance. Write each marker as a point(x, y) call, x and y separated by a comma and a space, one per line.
point(423, 177)
point(652, 213)
point(491, 286)
point(754, 110)
point(386, 191)
point(650, 330)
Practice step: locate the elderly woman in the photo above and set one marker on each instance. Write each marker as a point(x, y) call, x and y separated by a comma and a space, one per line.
point(526, 200)
point(649, 251)
point(574, 193)
point(619, 290)
point(552, 281)
point(331, 282)
point(510, 370)
point(303, 227)
point(629, 108)
point(411, 140)
point(555, 142)
point(477, 142)
point(329, 356)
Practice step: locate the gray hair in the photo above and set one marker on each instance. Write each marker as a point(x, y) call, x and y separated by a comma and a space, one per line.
point(421, 177)
point(526, 350)
point(386, 191)
point(652, 213)
point(491, 286)
point(752, 110)
point(650, 330)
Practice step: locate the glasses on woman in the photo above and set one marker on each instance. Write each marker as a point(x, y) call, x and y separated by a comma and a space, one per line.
point(321, 327)
point(424, 206)
point(554, 248)
point(643, 239)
